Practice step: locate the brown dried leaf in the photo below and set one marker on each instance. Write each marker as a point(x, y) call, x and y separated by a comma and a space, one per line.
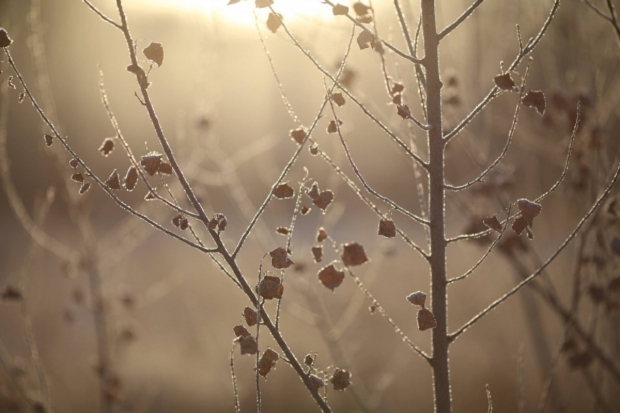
point(365, 40)
point(150, 162)
point(155, 53)
point(316, 381)
point(49, 139)
point(251, 316)
point(387, 228)
point(263, 3)
point(280, 259)
point(314, 149)
point(77, 177)
point(283, 191)
point(298, 135)
point(267, 362)
point(241, 331)
point(85, 187)
point(341, 379)
point(131, 178)
point(149, 196)
point(535, 99)
point(11, 293)
point(314, 191)
point(107, 146)
point(324, 199)
point(493, 223)
point(274, 21)
point(333, 127)
point(321, 235)
point(164, 168)
point(304, 210)
point(529, 210)
point(73, 163)
point(519, 225)
point(318, 253)
point(283, 230)
point(309, 360)
point(5, 40)
point(248, 345)
point(505, 82)
point(426, 319)
point(417, 298)
point(353, 254)
point(270, 287)
point(338, 99)
point(113, 182)
point(340, 10)
point(330, 277)
point(403, 111)
point(361, 9)
point(218, 221)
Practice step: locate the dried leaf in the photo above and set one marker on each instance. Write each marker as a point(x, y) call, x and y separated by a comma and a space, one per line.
point(77, 177)
point(403, 111)
point(314, 149)
point(365, 40)
point(274, 21)
point(267, 362)
point(131, 178)
point(248, 345)
point(49, 139)
point(321, 235)
point(398, 88)
point(361, 9)
point(338, 99)
point(107, 146)
point(21, 97)
point(270, 287)
point(150, 162)
point(426, 319)
point(149, 196)
point(85, 187)
point(283, 191)
point(493, 223)
point(5, 40)
point(353, 254)
point(341, 379)
point(535, 99)
point(529, 210)
point(280, 259)
point(218, 221)
point(263, 3)
point(314, 191)
point(180, 221)
point(304, 210)
point(155, 53)
point(505, 82)
point(318, 253)
point(340, 10)
point(324, 199)
point(164, 168)
point(387, 228)
point(309, 360)
point(519, 225)
point(298, 135)
point(113, 182)
point(283, 230)
point(11, 293)
point(241, 331)
point(330, 277)
point(417, 298)
point(250, 315)
point(73, 163)
point(333, 127)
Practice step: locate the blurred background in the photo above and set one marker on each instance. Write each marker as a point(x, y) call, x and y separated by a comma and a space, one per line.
point(221, 95)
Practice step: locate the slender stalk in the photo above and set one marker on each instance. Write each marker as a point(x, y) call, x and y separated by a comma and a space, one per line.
point(441, 371)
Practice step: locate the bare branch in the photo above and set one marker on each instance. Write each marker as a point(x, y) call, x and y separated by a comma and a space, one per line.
point(460, 19)
point(102, 16)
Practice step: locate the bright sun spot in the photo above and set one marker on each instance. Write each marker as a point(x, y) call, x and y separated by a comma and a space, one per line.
point(242, 13)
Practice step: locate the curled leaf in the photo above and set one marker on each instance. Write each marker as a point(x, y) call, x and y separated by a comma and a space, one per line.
point(155, 53)
point(403, 111)
point(107, 146)
point(333, 127)
point(321, 235)
point(250, 315)
point(49, 139)
point(493, 223)
point(316, 381)
point(505, 82)
point(361, 9)
point(338, 99)
point(248, 345)
point(535, 99)
point(529, 210)
point(267, 362)
point(283, 230)
point(131, 178)
point(113, 182)
point(164, 168)
point(341, 379)
point(318, 253)
point(330, 277)
point(340, 10)
point(365, 40)
point(353, 254)
point(5, 40)
point(218, 221)
point(73, 163)
point(150, 162)
point(241, 331)
point(85, 187)
point(417, 298)
point(274, 21)
point(270, 287)
point(298, 135)
point(77, 177)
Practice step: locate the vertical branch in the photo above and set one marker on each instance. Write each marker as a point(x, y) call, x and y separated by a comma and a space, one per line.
point(441, 372)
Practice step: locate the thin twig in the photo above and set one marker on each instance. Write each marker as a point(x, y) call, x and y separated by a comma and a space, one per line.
point(102, 16)
point(448, 29)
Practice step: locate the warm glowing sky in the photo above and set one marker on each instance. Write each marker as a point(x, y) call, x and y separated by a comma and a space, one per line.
point(242, 13)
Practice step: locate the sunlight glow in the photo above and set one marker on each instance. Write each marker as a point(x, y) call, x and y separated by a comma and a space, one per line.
point(242, 13)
